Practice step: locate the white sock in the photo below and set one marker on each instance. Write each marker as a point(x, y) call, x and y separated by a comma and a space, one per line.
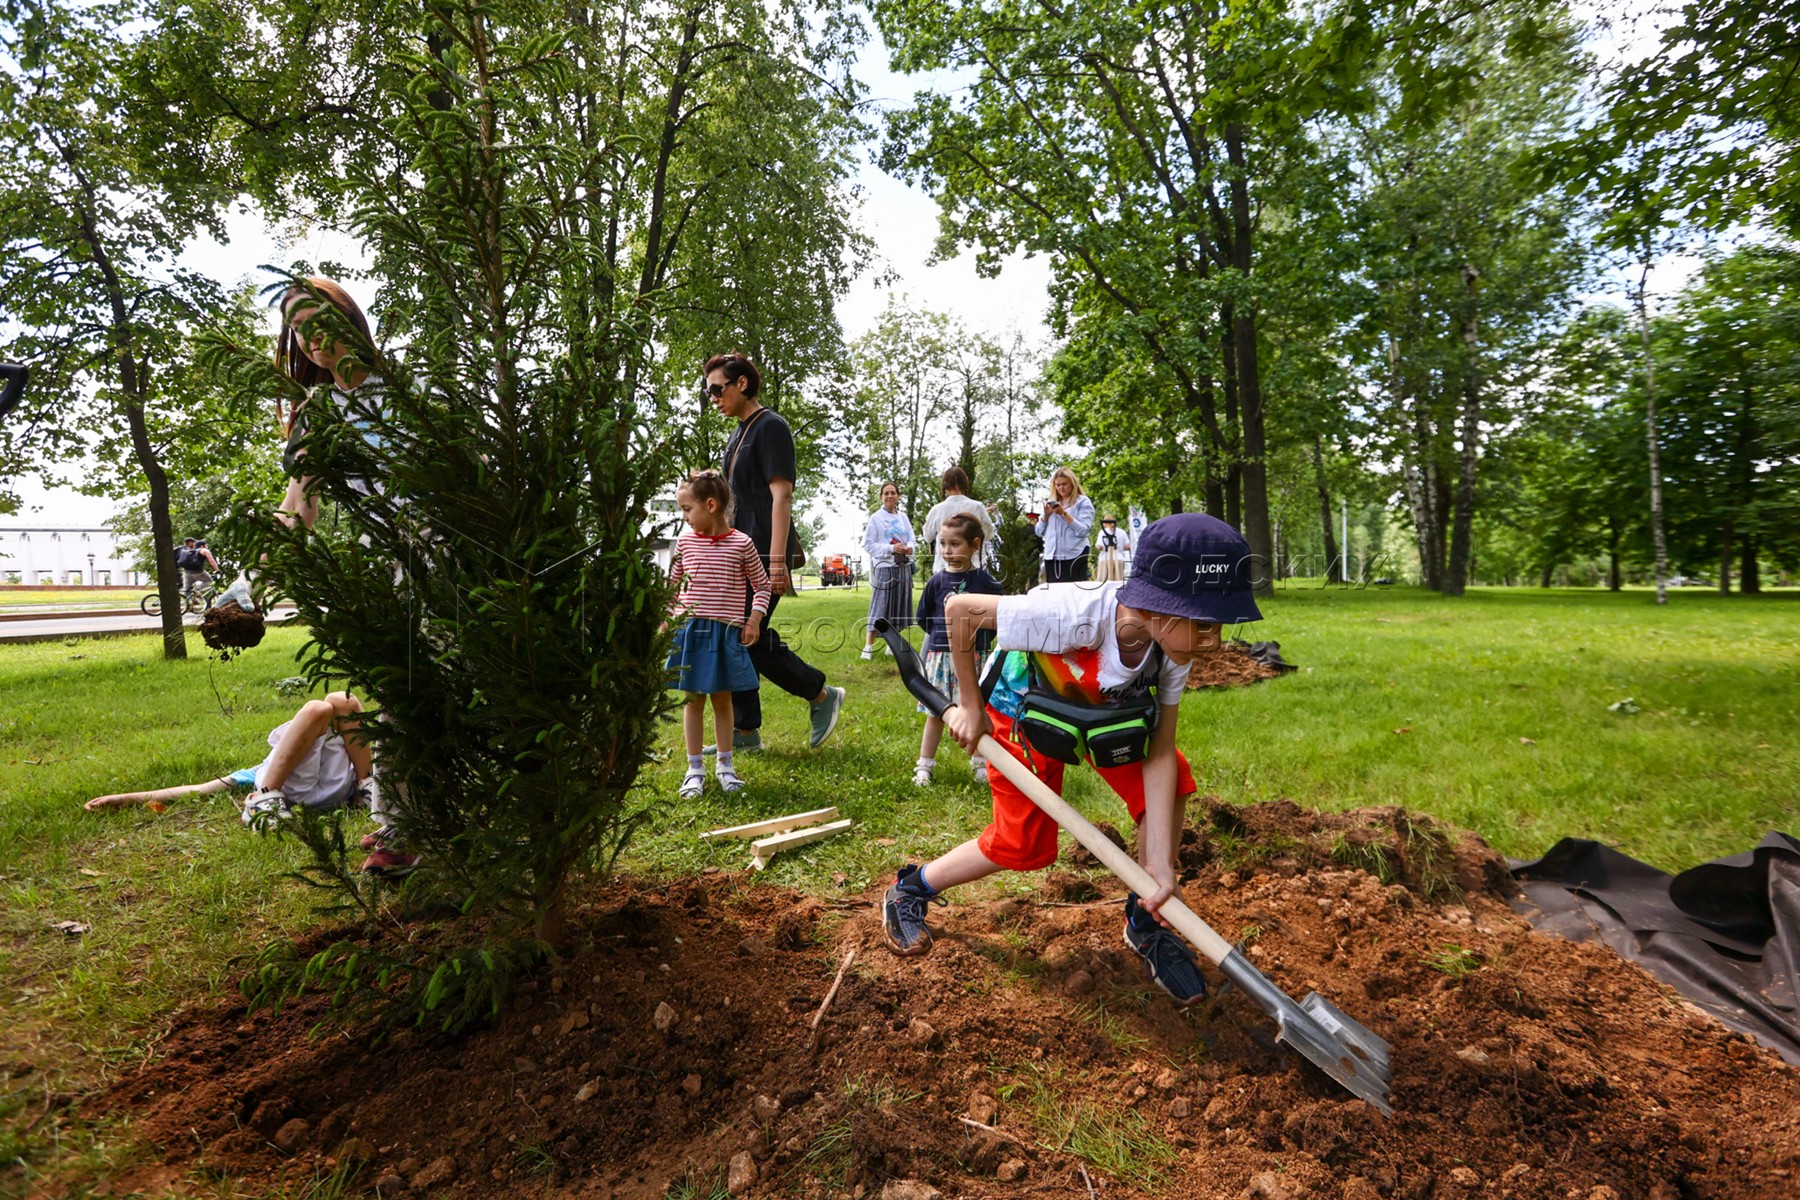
point(697, 763)
point(723, 764)
point(930, 764)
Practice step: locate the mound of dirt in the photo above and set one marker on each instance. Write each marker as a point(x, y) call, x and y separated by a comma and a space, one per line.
point(230, 629)
point(1234, 664)
point(672, 1052)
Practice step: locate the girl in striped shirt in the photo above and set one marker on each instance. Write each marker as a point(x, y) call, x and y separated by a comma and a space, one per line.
point(714, 566)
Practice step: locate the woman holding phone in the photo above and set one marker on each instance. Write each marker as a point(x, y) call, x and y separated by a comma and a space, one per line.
point(1064, 525)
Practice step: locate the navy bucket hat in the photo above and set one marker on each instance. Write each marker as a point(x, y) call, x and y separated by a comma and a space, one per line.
point(1195, 566)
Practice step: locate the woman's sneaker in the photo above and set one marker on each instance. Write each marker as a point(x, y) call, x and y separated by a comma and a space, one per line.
point(825, 715)
point(692, 784)
point(1167, 959)
point(868, 652)
point(903, 914)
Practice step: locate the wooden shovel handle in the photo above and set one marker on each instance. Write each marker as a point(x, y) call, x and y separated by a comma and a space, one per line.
point(1177, 914)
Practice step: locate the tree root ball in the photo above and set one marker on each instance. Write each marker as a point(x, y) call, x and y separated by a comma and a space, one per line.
point(230, 629)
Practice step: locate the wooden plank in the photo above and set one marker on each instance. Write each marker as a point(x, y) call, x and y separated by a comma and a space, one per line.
point(769, 847)
point(772, 825)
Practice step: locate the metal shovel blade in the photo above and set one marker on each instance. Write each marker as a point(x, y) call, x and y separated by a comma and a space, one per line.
point(1328, 1037)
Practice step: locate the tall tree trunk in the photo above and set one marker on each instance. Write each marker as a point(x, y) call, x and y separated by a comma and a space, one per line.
point(1613, 581)
point(1175, 504)
point(1216, 453)
point(1749, 582)
point(1231, 486)
point(1440, 521)
point(1656, 496)
point(1334, 572)
point(1725, 548)
point(1413, 461)
point(134, 388)
point(965, 457)
point(1255, 474)
point(1549, 570)
point(1456, 577)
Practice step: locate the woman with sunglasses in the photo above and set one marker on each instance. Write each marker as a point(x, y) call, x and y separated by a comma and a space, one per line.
point(759, 467)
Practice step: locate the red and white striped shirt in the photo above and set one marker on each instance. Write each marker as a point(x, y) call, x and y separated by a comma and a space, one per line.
point(709, 574)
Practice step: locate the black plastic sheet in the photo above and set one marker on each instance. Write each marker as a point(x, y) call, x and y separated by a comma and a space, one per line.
point(1724, 934)
point(1266, 653)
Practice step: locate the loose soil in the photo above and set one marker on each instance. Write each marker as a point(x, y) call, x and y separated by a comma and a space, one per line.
point(676, 1037)
point(1229, 666)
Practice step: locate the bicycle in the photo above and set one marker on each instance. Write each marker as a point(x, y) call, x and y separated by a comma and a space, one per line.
point(196, 602)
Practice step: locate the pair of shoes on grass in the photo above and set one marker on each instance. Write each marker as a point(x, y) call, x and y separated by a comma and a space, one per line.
point(1166, 958)
point(922, 771)
point(694, 782)
point(823, 719)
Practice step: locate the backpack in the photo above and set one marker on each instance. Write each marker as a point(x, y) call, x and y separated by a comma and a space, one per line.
point(189, 559)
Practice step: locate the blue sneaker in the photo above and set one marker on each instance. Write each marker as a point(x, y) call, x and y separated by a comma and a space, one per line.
point(1167, 959)
point(749, 743)
point(903, 914)
point(825, 715)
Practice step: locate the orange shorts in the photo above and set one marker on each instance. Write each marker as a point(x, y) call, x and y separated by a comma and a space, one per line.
point(1021, 837)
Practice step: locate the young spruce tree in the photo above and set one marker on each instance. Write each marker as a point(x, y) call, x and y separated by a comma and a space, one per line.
point(501, 607)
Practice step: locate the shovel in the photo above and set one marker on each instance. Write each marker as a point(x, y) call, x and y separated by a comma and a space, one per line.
point(1317, 1028)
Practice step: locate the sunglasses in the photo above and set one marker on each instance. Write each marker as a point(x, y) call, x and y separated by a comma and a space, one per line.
point(715, 390)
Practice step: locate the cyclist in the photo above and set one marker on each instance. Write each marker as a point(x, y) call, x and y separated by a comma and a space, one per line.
point(192, 559)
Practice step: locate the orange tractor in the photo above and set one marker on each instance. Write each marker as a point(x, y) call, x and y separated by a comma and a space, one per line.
point(835, 571)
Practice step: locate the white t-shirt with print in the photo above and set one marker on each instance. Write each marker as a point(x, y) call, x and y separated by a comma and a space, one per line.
point(1066, 619)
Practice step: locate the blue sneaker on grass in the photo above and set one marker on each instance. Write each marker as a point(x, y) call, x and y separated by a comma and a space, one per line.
point(1167, 959)
point(825, 715)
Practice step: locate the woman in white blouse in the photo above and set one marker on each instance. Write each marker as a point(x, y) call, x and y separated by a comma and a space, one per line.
point(1064, 525)
point(889, 543)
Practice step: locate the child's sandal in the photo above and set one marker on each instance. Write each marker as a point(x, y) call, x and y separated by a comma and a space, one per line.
point(692, 784)
point(729, 781)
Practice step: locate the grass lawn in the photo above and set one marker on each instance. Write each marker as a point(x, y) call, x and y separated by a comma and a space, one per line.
point(95, 597)
point(1490, 712)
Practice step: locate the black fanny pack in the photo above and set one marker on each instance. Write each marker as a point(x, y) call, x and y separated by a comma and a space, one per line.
point(1115, 733)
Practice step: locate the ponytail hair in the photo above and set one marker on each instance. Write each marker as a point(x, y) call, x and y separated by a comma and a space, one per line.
point(709, 485)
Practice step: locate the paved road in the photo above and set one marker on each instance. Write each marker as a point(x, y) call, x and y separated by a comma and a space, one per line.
point(51, 627)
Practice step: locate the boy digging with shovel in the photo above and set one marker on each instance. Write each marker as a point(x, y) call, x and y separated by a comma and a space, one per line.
point(1098, 675)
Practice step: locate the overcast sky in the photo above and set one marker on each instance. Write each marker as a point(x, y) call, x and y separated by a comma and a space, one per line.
point(902, 221)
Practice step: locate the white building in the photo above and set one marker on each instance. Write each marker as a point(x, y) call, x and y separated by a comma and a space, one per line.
point(66, 556)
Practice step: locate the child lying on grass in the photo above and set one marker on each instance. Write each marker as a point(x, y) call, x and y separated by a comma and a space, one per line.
point(315, 761)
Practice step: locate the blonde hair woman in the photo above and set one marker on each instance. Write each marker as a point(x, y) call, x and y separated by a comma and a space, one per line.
point(1064, 525)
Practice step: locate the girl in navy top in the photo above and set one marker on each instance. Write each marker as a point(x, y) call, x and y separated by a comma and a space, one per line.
point(959, 544)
